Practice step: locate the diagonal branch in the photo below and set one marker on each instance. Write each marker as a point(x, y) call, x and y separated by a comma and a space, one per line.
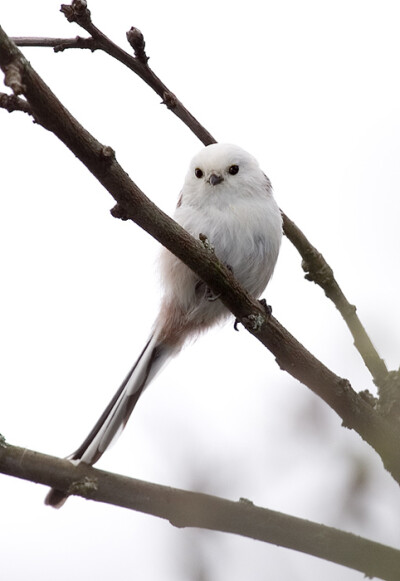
point(191, 509)
point(137, 64)
point(318, 271)
point(313, 263)
point(355, 411)
point(78, 12)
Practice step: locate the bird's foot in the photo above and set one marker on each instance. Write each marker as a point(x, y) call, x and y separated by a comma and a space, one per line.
point(267, 308)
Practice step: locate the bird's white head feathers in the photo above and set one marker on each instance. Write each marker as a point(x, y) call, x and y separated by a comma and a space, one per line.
point(220, 170)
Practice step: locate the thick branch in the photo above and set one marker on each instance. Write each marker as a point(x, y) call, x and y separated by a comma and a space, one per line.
point(133, 204)
point(314, 264)
point(190, 509)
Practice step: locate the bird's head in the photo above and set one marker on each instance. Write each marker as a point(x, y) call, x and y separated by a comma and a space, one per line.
point(219, 173)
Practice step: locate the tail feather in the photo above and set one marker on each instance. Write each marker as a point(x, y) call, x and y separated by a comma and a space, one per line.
point(115, 416)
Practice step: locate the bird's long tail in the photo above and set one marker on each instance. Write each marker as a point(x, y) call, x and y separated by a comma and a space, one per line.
point(114, 418)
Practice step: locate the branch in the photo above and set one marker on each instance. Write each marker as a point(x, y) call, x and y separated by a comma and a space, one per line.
point(78, 12)
point(190, 509)
point(314, 264)
point(59, 44)
point(13, 103)
point(132, 204)
point(318, 271)
point(137, 64)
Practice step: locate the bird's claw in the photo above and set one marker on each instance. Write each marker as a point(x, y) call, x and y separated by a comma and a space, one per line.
point(267, 308)
point(210, 296)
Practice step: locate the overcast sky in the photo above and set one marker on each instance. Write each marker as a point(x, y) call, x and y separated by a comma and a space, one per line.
point(312, 90)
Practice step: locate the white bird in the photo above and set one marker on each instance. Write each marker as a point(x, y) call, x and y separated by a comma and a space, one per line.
point(228, 198)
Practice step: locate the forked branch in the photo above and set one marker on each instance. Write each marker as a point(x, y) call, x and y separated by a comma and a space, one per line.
point(13, 103)
point(313, 262)
point(354, 410)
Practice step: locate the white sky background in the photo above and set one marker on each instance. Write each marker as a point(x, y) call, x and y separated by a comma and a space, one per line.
point(312, 90)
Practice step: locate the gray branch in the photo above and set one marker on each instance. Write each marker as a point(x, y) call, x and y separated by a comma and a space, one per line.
point(314, 264)
point(318, 271)
point(192, 509)
point(356, 412)
point(14, 103)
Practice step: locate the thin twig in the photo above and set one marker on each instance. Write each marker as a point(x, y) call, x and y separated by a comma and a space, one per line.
point(138, 64)
point(318, 271)
point(192, 509)
point(59, 44)
point(314, 264)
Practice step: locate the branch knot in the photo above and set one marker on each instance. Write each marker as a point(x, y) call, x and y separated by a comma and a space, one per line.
point(253, 322)
point(316, 269)
point(107, 154)
point(13, 103)
point(206, 243)
point(389, 396)
point(169, 100)
point(78, 42)
point(119, 212)
point(83, 487)
point(13, 78)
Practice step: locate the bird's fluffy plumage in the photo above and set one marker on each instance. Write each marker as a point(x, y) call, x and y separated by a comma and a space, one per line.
point(241, 220)
point(228, 198)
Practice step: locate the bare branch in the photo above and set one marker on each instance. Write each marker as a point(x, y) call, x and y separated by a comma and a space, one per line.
point(78, 12)
point(356, 412)
point(59, 44)
point(190, 509)
point(319, 271)
point(13, 103)
point(313, 263)
point(137, 64)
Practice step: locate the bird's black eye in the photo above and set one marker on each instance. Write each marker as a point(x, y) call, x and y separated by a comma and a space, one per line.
point(233, 170)
point(198, 173)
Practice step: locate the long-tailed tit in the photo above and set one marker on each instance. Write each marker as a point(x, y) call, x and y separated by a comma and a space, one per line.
point(229, 199)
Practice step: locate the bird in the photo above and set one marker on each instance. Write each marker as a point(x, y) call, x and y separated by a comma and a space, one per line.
point(227, 198)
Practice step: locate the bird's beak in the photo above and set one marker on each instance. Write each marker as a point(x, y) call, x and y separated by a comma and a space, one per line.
point(215, 179)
